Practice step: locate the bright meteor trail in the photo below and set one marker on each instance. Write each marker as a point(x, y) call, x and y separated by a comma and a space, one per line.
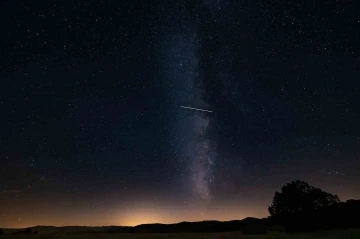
point(185, 107)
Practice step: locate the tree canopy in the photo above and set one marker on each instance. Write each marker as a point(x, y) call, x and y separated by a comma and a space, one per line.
point(299, 197)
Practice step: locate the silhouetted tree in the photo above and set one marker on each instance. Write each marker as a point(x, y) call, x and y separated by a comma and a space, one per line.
point(299, 197)
point(1, 232)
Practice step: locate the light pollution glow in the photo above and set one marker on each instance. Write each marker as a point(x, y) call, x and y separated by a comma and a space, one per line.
point(25, 217)
point(167, 210)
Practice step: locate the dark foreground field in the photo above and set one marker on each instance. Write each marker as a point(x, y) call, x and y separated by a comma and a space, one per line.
point(341, 234)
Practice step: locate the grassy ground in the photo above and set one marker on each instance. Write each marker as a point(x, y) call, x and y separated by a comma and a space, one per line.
point(343, 234)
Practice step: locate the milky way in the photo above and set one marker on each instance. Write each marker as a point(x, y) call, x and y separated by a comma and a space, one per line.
point(193, 147)
point(201, 150)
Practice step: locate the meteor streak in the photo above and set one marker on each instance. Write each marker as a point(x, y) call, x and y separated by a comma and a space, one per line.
point(186, 107)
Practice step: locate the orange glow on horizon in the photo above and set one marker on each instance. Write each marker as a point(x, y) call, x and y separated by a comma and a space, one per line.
point(129, 215)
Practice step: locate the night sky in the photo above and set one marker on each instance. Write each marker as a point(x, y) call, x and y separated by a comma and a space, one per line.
point(92, 131)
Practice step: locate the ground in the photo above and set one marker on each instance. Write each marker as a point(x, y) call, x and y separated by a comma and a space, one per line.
point(341, 234)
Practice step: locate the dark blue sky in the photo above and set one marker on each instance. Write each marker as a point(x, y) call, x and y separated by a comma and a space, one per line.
point(91, 126)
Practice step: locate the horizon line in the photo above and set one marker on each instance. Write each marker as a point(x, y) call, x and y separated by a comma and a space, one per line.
point(11, 228)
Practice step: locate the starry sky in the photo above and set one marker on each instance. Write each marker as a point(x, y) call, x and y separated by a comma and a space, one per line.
point(92, 128)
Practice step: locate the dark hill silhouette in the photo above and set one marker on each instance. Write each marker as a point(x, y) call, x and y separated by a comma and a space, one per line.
point(248, 225)
point(25, 231)
point(77, 229)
